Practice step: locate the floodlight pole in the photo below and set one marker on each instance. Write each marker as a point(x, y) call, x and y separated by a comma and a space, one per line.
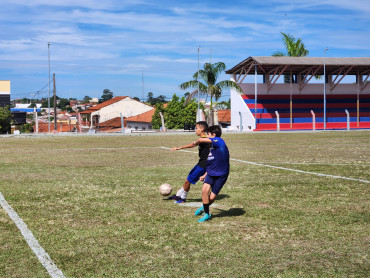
point(325, 89)
point(49, 86)
point(198, 114)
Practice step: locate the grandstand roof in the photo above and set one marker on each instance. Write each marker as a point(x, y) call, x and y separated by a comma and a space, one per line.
point(299, 64)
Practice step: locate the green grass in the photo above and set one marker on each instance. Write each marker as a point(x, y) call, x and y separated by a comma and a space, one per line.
point(93, 204)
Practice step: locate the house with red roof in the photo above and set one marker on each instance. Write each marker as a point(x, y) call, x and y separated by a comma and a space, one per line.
point(224, 117)
point(107, 112)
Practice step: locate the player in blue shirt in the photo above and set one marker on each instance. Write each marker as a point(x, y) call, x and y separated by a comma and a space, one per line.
point(218, 168)
point(199, 169)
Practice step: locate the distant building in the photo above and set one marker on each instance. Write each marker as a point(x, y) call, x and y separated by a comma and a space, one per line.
point(113, 108)
point(4, 93)
point(18, 116)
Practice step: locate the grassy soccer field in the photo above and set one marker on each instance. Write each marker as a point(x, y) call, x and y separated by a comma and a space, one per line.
point(93, 204)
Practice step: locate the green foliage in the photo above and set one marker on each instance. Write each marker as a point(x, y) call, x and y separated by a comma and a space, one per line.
point(5, 120)
point(224, 105)
point(63, 103)
point(294, 48)
point(209, 75)
point(177, 113)
point(154, 100)
point(26, 128)
point(86, 99)
point(156, 119)
point(107, 95)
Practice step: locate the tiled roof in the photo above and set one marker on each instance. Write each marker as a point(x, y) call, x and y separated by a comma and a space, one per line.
point(103, 104)
point(112, 123)
point(145, 117)
point(224, 116)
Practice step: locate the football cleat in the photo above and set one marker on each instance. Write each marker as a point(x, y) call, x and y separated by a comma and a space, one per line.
point(180, 201)
point(206, 217)
point(199, 211)
point(174, 197)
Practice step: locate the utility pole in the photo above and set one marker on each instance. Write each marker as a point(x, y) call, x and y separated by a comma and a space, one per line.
point(55, 105)
point(49, 86)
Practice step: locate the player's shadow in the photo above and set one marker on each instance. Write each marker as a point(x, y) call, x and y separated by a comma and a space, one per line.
point(230, 213)
point(219, 197)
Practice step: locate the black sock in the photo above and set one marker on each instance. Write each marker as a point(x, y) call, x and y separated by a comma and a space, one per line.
point(206, 208)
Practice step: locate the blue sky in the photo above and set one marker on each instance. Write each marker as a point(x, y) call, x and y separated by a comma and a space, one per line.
point(111, 44)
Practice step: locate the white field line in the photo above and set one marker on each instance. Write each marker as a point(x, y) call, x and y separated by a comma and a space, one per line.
point(41, 254)
point(288, 169)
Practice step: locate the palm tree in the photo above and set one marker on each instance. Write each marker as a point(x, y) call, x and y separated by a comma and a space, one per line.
point(294, 48)
point(209, 75)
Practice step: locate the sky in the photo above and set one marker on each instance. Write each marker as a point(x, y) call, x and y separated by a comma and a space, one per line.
point(133, 47)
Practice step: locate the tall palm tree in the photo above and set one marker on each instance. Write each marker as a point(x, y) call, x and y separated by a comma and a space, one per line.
point(294, 48)
point(209, 75)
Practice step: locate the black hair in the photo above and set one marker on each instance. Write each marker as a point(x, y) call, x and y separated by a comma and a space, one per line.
point(202, 124)
point(215, 129)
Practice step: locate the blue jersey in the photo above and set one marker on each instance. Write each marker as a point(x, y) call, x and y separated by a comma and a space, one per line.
point(218, 163)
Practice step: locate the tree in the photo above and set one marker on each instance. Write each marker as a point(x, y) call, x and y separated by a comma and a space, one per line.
point(154, 100)
point(86, 99)
point(177, 113)
point(63, 103)
point(209, 75)
point(5, 120)
point(107, 94)
point(156, 119)
point(224, 105)
point(294, 48)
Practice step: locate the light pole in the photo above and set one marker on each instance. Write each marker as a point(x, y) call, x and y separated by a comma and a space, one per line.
point(325, 89)
point(198, 113)
point(49, 86)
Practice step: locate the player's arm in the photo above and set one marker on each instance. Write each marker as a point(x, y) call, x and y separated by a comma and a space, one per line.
point(193, 144)
point(202, 178)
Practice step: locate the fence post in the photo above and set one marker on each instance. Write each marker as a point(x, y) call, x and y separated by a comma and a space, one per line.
point(348, 127)
point(313, 120)
point(277, 121)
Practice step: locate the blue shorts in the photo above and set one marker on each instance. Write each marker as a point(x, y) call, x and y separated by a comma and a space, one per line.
point(216, 182)
point(195, 174)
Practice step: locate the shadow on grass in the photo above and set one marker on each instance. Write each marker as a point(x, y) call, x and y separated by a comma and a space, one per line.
point(219, 197)
point(230, 213)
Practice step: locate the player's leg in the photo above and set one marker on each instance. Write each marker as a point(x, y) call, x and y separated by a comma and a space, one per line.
point(192, 178)
point(186, 185)
point(206, 198)
point(179, 193)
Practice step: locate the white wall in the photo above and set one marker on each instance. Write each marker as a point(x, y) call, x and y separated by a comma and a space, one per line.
point(240, 112)
point(139, 125)
point(127, 106)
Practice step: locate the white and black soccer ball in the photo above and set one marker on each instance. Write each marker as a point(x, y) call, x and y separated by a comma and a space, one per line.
point(165, 189)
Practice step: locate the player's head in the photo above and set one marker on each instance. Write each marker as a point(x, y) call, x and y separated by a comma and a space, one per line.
point(214, 129)
point(201, 126)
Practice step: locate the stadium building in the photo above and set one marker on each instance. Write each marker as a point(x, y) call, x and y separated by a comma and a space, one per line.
point(288, 94)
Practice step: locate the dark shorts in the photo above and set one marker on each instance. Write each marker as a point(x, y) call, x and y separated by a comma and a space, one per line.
point(195, 174)
point(216, 182)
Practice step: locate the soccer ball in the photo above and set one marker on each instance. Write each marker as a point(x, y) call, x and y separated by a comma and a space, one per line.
point(165, 189)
